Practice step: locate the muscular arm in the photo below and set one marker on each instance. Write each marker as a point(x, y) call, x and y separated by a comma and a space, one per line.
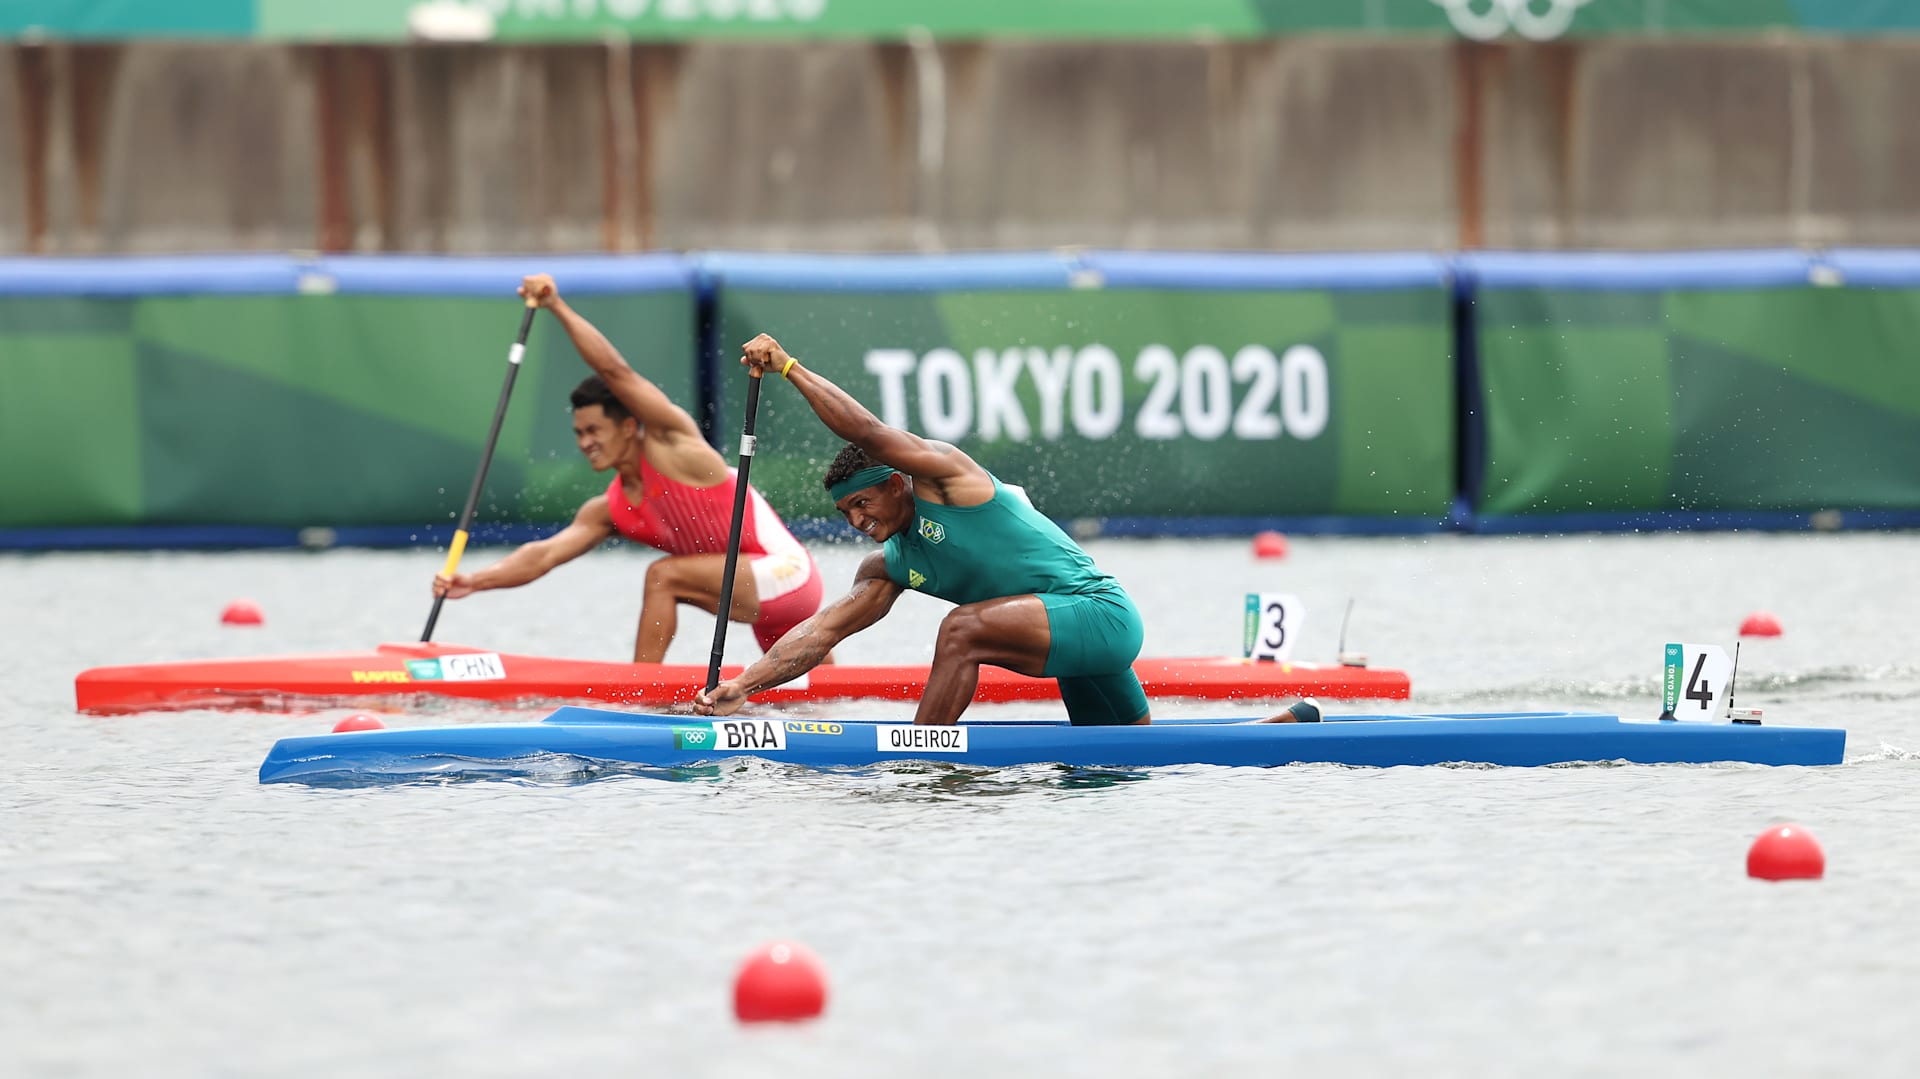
point(648, 403)
point(941, 472)
point(956, 477)
point(805, 645)
point(531, 561)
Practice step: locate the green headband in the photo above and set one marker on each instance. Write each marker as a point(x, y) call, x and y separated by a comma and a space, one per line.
point(860, 481)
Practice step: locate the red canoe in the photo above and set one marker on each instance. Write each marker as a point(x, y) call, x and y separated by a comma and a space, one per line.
point(400, 672)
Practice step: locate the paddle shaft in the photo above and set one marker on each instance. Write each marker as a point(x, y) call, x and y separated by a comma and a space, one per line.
point(733, 534)
point(459, 544)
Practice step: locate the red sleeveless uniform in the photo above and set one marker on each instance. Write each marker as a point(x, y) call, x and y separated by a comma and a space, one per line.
point(682, 519)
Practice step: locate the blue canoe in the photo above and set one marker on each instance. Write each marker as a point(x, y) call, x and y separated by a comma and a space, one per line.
point(599, 736)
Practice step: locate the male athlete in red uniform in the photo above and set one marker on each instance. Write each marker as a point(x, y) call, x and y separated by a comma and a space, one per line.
point(671, 490)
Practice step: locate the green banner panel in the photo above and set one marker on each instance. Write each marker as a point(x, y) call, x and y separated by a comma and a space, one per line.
point(1699, 400)
point(337, 20)
point(302, 410)
point(1125, 402)
point(1479, 19)
point(592, 20)
point(131, 18)
point(976, 18)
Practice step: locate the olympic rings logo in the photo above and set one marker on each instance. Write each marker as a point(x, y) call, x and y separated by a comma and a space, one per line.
point(1484, 20)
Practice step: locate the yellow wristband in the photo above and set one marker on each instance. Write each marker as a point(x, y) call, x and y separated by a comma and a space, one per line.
point(791, 360)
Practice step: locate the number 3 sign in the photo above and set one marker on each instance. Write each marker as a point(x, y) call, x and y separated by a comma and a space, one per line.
point(1273, 623)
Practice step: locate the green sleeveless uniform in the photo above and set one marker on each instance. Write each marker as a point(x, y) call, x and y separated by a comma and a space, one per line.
point(1005, 547)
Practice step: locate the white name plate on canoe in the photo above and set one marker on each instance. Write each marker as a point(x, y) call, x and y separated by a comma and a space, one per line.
point(749, 734)
point(472, 667)
point(918, 738)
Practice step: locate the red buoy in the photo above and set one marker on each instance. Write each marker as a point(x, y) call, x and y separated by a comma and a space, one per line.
point(359, 721)
point(1786, 852)
point(1760, 624)
point(242, 612)
point(1269, 545)
point(780, 982)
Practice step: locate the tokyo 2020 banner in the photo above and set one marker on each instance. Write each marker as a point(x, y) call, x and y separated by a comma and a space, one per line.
point(1125, 401)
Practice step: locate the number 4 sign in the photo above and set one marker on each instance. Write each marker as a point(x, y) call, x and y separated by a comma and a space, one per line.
point(1273, 623)
point(1696, 683)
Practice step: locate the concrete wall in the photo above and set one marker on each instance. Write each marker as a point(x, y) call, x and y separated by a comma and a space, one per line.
point(1292, 143)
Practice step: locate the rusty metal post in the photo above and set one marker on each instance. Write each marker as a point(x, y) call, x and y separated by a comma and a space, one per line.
point(334, 230)
point(656, 70)
point(616, 137)
point(90, 98)
point(372, 122)
point(1469, 67)
point(33, 77)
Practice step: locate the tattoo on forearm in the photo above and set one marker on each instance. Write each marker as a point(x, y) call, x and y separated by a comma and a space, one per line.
point(790, 658)
point(808, 644)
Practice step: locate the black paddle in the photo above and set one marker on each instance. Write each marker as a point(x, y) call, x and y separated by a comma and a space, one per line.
point(459, 544)
point(733, 534)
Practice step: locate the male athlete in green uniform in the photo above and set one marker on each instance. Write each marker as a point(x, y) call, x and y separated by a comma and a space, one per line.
point(1029, 599)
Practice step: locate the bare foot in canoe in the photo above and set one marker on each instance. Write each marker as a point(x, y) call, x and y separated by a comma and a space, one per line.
point(1304, 710)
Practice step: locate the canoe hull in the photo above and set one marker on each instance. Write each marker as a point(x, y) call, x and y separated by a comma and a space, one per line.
point(592, 735)
point(387, 676)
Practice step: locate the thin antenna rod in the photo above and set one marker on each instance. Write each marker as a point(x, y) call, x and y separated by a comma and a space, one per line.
point(1344, 657)
point(1751, 715)
point(1732, 675)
